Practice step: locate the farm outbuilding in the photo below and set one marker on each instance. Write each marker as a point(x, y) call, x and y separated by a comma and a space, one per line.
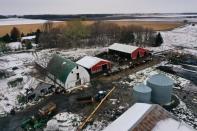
point(28, 38)
point(94, 64)
point(128, 51)
point(67, 73)
point(40, 90)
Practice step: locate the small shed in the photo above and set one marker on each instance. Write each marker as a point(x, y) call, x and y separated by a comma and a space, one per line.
point(128, 51)
point(67, 73)
point(94, 64)
point(28, 38)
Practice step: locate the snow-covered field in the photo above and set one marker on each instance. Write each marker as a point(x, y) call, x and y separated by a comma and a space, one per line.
point(161, 17)
point(8, 93)
point(20, 21)
point(185, 37)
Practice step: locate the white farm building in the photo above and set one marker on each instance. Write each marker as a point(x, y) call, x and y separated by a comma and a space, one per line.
point(94, 64)
point(128, 51)
point(67, 73)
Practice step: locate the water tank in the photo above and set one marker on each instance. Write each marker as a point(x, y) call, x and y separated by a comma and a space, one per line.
point(142, 93)
point(161, 86)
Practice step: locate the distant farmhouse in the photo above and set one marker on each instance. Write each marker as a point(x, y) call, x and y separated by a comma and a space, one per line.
point(26, 39)
point(66, 73)
point(94, 64)
point(127, 51)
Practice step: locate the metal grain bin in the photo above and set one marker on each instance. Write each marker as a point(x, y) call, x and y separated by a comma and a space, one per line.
point(161, 86)
point(142, 93)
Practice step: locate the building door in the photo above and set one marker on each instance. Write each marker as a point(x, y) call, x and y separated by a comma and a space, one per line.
point(78, 82)
point(78, 76)
point(104, 67)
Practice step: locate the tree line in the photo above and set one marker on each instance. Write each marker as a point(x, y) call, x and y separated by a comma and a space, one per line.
point(15, 35)
point(78, 35)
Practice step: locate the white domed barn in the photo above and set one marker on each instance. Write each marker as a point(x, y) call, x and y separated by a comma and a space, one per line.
point(67, 73)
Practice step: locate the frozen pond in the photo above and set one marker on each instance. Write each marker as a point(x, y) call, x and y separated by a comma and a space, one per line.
point(20, 21)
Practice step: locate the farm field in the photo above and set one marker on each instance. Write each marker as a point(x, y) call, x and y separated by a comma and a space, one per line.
point(25, 28)
point(157, 26)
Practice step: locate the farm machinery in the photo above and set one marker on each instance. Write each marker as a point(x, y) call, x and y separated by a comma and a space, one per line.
point(40, 119)
point(91, 99)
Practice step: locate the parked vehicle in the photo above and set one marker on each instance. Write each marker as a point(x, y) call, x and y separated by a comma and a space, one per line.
point(48, 109)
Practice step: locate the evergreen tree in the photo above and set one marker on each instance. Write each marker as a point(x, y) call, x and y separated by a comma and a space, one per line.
point(158, 40)
point(3, 47)
point(6, 38)
point(15, 34)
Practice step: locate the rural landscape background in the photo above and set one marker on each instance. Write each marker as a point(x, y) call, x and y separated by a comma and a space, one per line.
point(110, 48)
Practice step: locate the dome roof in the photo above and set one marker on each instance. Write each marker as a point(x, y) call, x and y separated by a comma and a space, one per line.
point(160, 80)
point(142, 88)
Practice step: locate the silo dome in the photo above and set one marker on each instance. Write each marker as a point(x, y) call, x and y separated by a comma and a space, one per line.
point(161, 86)
point(142, 93)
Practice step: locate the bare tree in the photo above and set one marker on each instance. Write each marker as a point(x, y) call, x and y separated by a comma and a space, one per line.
point(47, 26)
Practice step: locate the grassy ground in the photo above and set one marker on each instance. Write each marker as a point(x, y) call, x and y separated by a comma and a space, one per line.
point(157, 26)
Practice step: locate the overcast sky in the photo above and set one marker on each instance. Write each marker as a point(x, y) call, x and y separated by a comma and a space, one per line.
point(95, 6)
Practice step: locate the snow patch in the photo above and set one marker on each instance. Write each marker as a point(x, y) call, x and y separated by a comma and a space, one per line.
point(183, 37)
point(70, 122)
point(14, 45)
point(172, 125)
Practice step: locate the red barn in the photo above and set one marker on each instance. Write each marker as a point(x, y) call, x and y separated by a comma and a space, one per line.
point(129, 51)
point(94, 64)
